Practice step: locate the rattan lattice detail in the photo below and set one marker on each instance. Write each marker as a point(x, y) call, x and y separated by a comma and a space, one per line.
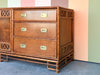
point(4, 46)
point(70, 14)
point(67, 48)
point(63, 13)
point(5, 13)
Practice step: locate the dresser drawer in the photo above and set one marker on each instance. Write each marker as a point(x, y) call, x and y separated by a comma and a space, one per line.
point(35, 15)
point(35, 30)
point(36, 48)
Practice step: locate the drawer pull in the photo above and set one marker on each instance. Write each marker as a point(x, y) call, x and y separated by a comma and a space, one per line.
point(43, 47)
point(23, 29)
point(23, 15)
point(44, 15)
point(43, 30)
point(23, 45)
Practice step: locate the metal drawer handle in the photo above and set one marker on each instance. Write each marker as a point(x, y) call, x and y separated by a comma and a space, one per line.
point(23, 15)
point(43, 47)
point(23, 45)
point(23, 29)
point(43, 30)
point(44, 15)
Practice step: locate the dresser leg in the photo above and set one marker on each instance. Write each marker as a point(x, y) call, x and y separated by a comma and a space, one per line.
point(0, 58)
point(57, 67)
point(54, 69)
point(6, 58)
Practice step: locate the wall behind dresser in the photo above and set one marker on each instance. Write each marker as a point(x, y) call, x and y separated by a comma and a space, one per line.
point(3, 3)
point(80, 28)
point(32, 3)
point(14, 3)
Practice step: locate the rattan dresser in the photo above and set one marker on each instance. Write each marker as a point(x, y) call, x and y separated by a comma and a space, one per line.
point(42, 35)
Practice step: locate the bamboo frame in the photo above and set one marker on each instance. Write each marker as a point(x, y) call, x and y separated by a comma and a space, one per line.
point(52, 64)
point(56, 64)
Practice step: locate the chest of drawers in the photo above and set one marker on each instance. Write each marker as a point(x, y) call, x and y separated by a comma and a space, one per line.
point(42, 35)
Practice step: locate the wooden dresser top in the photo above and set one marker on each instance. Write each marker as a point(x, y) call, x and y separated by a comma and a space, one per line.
point(56, 7)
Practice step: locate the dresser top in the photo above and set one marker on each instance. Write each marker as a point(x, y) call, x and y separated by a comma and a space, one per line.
point(50, 7)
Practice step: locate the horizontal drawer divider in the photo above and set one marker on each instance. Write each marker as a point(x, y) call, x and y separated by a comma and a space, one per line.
point(33, 38)
point(34, 21)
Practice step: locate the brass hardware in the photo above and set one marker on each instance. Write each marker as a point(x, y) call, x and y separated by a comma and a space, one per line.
point(23, 45)
point(43, 30)
point(43, 47)
point(44, 15)
point(23, 29)
point(23, 15)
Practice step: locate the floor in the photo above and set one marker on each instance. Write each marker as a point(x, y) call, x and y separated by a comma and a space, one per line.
point(14, 67)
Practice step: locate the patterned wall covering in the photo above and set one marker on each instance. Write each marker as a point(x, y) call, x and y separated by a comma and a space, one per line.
point(42, 2)
point(3, 3)
point(63, 3)
point(27, 3)
point(32, 3)
point(14, 3)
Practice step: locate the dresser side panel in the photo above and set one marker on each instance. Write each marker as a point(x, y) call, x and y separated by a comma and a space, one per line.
point(66, 32)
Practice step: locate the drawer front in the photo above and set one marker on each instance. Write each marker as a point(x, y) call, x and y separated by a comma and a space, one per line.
point(35, 15)
point(35, 30)
point(36, 48)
